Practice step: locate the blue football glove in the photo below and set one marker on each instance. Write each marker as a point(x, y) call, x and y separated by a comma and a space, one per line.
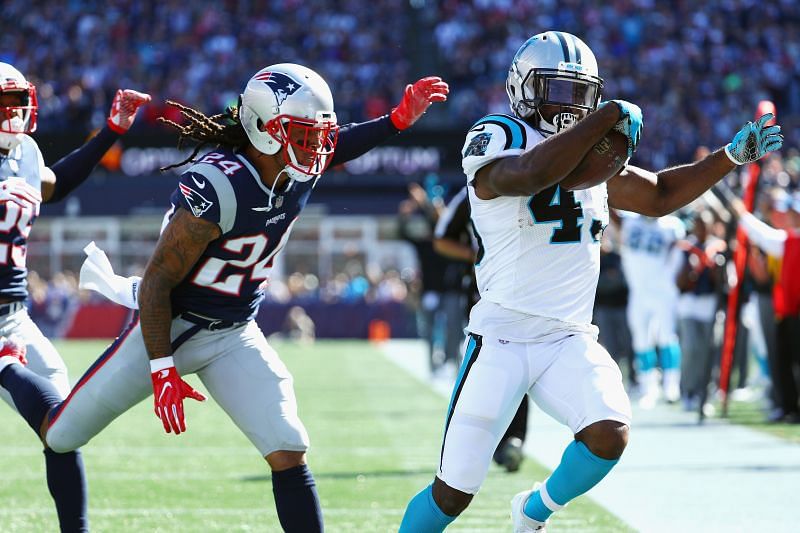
point(754, 141)
point(630, 123)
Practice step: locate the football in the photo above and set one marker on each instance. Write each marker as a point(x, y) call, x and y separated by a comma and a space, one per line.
point(600, 164)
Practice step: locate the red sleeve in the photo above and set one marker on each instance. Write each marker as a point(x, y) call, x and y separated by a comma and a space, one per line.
point(787, 290)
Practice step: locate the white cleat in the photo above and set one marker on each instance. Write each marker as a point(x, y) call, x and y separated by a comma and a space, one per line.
point(522, 522)
point(672, 385)
point(650, 389)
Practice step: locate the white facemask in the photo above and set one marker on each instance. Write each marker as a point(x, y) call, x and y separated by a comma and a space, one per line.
point(9, 141)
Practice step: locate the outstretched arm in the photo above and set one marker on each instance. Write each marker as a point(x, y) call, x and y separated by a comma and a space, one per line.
point(73, 169)
point(660, 193)
point(180, 246)
point(357, 139)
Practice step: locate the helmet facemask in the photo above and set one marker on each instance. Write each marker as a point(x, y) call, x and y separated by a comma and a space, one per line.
point(307, 146)
point(572, 95)
point(19, 117)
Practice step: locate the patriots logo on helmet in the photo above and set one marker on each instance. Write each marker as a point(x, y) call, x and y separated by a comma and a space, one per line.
point(282, 85)
point(197, 203)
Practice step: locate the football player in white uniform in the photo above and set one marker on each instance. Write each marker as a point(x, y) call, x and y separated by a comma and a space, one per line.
point(651, 263)
point(537, 271)
point(25, 183)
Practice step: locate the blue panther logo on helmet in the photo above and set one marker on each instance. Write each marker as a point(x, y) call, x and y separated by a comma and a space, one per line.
point(282, 85)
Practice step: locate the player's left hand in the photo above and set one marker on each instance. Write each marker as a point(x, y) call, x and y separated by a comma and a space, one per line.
point(169, 390)
point(123, 109)
point(417, 98)
point(630, 123)
point(20, 192)
point(754, 141)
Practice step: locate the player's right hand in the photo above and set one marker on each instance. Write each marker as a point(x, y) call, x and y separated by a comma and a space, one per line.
point(630, 123)
point(169, 390)
point(123, 109)
point(20, 192)
point(754, 141)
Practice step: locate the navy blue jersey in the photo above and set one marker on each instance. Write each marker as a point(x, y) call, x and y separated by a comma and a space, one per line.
point(24, 162)
point(228, 281)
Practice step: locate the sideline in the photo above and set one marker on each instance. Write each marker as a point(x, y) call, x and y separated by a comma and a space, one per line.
point(675, 475)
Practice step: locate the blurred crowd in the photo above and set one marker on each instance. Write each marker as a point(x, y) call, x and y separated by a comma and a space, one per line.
point(697, 69)
point(52, 303)
point(201, 53)
point(352, 285)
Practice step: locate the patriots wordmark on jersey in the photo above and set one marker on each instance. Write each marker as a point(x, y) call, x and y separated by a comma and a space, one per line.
point(229, 278)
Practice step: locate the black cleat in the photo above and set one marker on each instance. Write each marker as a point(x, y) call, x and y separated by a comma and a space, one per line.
point(509, 454)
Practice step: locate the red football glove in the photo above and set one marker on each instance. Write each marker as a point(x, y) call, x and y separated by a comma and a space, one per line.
point(417, 99)
point(169, 390)
point(123, 109)
point(13, 347)
point(19, 191)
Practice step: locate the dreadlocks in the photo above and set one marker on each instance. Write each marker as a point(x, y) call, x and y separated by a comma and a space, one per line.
point(222, 129)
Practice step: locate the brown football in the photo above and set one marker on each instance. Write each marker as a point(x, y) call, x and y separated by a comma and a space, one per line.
point(600, 164)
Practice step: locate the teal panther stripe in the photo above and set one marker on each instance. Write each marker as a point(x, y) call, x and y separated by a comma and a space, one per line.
point(516, 136)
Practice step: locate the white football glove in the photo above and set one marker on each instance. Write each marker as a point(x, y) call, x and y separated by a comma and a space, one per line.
point(19, 191)
point(123, 109)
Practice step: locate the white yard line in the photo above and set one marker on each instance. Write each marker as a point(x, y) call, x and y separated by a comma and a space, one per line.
point(675, 475)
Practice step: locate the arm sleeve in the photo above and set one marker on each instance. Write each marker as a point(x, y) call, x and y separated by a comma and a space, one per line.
point(492, 137)
point(73, 169)
point(357, 139)
point(206, 192)
point(764, 236)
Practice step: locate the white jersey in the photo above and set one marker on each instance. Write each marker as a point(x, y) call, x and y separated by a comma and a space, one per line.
point(539, 256)
point(648, 261)
point(24, 161)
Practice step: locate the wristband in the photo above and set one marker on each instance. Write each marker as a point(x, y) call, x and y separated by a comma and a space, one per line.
point(160, 363)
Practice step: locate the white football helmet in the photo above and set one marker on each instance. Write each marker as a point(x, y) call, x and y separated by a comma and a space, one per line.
point(18, 117)
point(290, 106)
point(553, 68)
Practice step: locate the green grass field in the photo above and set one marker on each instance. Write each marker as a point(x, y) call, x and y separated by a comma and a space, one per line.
point(751, 414)
point(375, 435)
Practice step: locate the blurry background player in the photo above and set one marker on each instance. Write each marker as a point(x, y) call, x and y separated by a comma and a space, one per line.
point(25, 182)
point(650, 270)
point(455, 239)
point(610, 306)
point(232, 212)
point(439, 317)
point(783, 244)
point(699, 279)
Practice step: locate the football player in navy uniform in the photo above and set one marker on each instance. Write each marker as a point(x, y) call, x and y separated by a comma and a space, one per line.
point(25, 182)
point(232, 212)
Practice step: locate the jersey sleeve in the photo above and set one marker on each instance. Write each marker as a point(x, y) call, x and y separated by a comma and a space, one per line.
point(492, 137)
point(206, 192)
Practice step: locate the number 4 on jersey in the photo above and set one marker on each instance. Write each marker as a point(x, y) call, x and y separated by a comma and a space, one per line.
point(555, 204)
